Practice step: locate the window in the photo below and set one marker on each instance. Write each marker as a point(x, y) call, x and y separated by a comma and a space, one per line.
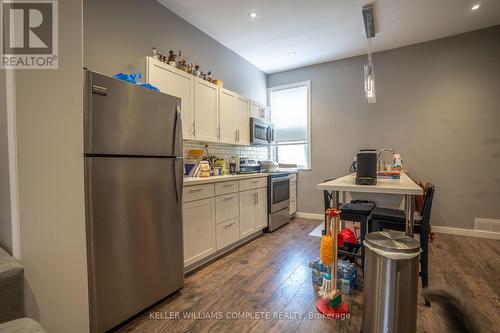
point(290, 114)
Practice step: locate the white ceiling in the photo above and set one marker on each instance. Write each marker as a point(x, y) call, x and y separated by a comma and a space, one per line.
point(324, 30)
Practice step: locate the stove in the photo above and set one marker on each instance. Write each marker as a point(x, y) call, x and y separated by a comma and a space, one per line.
point(278, 199)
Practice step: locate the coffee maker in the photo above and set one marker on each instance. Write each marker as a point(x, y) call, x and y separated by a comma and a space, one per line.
point(366, 168)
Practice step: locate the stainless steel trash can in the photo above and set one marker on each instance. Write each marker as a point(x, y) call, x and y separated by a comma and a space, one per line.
point(390, 283)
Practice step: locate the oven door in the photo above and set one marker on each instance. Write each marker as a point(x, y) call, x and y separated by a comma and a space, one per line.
point(261, 132)
point(280, 193)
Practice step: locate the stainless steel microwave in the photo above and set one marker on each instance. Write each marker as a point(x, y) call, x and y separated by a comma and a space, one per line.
point(261, 132)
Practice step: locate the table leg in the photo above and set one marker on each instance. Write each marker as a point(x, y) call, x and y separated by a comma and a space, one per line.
point(336, 198)
point(409, 211)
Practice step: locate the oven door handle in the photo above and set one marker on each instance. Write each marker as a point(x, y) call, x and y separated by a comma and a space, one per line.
point(280, 179)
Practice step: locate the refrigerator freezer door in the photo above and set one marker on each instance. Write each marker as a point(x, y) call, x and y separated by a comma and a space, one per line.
point(134, 225)
point(125, 119)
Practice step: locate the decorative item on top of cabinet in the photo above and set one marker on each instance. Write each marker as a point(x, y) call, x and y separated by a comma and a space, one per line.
point(156, 55)
point(172, 58)
point(196, 71)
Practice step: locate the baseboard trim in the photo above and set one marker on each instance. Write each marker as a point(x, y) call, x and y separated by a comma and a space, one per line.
point(310, 216)
point(466, 232)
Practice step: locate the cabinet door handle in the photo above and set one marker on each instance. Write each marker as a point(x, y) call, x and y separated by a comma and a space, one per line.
point(194, 128)
point(196, 190)
point(228, 185)
point(228, 198)
point(229, 224)
point(257, 196)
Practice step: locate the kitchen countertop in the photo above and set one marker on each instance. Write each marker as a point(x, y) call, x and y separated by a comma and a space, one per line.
point(389, 186)
point(188, 181)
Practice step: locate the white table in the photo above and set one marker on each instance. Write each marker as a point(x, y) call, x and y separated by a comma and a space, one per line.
point(404, 186)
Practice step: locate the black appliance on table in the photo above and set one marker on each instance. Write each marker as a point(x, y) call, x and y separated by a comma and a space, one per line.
point(366, 168)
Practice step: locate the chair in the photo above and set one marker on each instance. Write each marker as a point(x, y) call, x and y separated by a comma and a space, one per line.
point(359, 211)
point(385, 218)
point(356, 211)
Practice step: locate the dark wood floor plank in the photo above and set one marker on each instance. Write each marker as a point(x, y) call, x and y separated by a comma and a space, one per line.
point(271, 275)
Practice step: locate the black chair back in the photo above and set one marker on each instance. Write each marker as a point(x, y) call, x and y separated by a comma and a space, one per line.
point(426, 210)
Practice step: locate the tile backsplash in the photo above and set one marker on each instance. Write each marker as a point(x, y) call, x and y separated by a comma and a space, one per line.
point(226, 151)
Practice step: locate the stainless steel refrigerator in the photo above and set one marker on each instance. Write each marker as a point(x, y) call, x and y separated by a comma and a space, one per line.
point(133, 193)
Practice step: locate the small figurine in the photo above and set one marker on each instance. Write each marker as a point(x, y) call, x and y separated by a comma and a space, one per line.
point(171, 58)
point(178, 60)
point(209, 76)
point(196, 71)
point(156, 55)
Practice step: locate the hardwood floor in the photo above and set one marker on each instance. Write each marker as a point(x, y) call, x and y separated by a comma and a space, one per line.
point(270, 276)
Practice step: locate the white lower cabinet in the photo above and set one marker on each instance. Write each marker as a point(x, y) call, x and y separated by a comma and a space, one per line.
point(253, 211)
point(198, 230)
point(227, 233)
point(226, 207)
point(261, 209)
point(218, 215)
point(247, 213)
point(293, 206)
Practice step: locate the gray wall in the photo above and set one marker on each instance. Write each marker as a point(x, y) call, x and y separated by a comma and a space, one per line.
point(118, 32)
point(5, 222)
point(437, 103)
point(49, 123)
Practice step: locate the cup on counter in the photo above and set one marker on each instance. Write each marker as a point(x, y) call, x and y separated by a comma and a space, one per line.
point(232, 168)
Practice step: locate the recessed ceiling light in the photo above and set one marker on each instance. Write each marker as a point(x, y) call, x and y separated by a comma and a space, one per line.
point(291, 54)
point(252, 15)
point(476, 7)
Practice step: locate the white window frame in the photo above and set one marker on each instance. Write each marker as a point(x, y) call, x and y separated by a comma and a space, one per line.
point(290, 86)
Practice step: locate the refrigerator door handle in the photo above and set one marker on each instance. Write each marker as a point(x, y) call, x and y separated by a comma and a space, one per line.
point(177, 130)
point(177, 183)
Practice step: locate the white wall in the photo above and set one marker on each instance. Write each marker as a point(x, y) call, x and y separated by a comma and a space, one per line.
point(5, 221)
point(49, 107)
point(437, 104)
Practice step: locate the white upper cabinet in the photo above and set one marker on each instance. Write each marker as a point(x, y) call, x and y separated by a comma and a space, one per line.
point(206, 105)
point(242, 120)
point(209, 113)
point(227, 110)
point(172, 81)
point(260, 111)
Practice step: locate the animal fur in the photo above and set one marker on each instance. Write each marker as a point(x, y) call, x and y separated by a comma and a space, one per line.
point(458, 314)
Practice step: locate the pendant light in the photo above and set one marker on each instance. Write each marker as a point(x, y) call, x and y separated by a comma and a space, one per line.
point(369, 79)
point(368, 72)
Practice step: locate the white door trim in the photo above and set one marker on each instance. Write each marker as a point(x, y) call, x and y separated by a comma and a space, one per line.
point(12, 148)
